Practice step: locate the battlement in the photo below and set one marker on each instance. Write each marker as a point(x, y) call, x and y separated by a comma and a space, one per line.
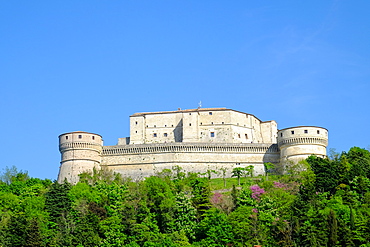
point(190, 148)
point(303, 140)
point(80, 145)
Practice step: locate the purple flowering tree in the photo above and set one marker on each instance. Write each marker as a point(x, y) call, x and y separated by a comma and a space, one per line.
point(257, 192)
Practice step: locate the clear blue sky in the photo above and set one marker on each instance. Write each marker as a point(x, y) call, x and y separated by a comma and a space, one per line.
point(88, 65)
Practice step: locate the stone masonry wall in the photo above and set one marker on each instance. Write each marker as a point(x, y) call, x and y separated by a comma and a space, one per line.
point(144, 160)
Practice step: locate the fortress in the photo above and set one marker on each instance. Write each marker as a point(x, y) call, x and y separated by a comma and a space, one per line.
point(197, 140)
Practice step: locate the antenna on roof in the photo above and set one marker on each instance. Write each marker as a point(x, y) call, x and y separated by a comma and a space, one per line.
point(199, 104)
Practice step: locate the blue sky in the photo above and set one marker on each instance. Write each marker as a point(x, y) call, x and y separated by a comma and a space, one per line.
point(88, 65)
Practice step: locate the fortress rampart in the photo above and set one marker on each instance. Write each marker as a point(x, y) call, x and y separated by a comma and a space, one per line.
point(190, 147)
point(197, 140)
point(142, 160)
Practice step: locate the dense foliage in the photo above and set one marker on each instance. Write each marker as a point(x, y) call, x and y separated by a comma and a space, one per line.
point(321, 202)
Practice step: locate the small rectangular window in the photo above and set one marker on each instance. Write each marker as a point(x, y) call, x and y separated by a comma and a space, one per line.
point(155, 135)
point(246, 136)
point(281, 134)
point(189, 124)
point(66, 137)
point(79, 136)
point(155, 125)
point(210, 113)
point(222, 122)
point(135, 131)
point(189, 113)
point(212, 123)
point(165, 134)
point(201, 123)
point(292, 132)
point(318, 132)
point(136, 122)
point(306, 131)
point(93, 137)
point(212, 134)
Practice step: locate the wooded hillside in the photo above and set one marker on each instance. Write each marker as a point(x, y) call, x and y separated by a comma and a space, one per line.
point(319, 202)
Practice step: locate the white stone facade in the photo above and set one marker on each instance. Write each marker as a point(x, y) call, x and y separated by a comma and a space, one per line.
point(196, 140)
point(215, 125)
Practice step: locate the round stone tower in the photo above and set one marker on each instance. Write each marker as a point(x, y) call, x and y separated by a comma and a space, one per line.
point(81, 151)
point(297, 143)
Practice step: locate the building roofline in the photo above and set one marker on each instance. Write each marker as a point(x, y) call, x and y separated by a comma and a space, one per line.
point(178, 111)
point(75, 132)
point(304, 127)
point(194, 110)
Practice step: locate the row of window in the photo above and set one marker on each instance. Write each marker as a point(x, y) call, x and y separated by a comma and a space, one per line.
point(305, 131)
point(212, 123)
point(210, 113)
point(164, 134)
point(164, 126)
point(155, 125)
point(212, 134)
point(80, 137)
point(190, 124)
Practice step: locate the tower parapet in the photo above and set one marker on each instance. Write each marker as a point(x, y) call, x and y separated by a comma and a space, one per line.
point(81, 151)
point(297, 143)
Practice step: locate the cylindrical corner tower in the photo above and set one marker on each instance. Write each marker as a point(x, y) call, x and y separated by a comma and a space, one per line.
point(297, 143)
point(81, 151)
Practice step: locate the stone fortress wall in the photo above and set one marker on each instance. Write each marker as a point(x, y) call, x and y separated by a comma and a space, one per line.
point(142, 160)
point(196, 140)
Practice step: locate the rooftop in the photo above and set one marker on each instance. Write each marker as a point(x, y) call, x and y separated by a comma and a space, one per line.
point(191, 110)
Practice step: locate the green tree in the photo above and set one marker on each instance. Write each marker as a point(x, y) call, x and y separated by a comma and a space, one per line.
point(333, 155)
point(113, 231)
point(268, 168)
point(209, 173)
point(248, 171)
point(327, 175)
point(12, 174)
point(214, 229)
point(179, 174)
point(59, 207)
point(161, 201)
point(360, 162)
point(242, 225)
point(17, 230)
point(185, 215)
point(200, 195)
point(224, 170)
point(238, 172)
point(333, 228)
